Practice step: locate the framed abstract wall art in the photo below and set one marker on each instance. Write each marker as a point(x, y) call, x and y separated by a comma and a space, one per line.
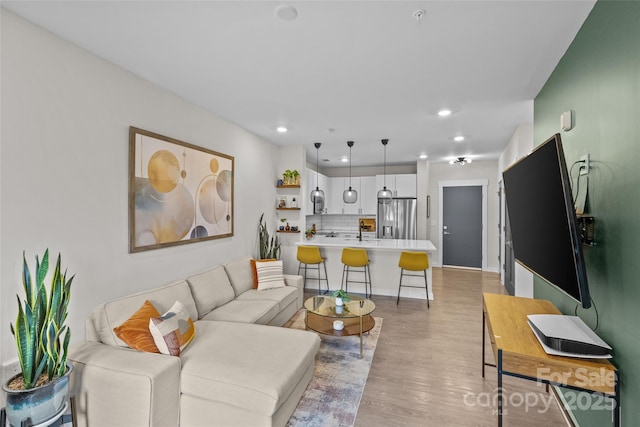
point(178, 193)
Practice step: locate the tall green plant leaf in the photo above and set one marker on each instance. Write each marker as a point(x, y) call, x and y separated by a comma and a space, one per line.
point(24, 345)
point(40, 323)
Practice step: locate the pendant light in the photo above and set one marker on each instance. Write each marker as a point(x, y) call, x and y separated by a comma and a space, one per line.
point(384, 195)
point(350, 196)
point(317, 195)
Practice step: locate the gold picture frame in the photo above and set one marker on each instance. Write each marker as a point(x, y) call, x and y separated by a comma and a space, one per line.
point(179, 193)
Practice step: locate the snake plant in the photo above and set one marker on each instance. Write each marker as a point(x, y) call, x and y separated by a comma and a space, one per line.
point(41, 336)
point(269, 246)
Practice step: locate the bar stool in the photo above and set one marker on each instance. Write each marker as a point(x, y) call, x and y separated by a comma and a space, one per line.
point(413, 261)
point(310, 255)
point(353, 260)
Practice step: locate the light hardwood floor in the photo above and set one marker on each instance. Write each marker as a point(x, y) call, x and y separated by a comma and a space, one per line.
point(426, 369)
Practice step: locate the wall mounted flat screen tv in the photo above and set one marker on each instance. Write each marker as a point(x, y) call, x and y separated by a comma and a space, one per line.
point(541, 212)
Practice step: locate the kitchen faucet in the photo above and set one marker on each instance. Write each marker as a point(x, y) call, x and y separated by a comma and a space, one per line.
point(360, 228)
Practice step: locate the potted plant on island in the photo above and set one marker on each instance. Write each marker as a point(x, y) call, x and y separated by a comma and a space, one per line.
point(309, 233)
point(41, 390)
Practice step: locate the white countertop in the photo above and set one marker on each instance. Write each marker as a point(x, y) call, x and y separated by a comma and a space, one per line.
point(380, 244)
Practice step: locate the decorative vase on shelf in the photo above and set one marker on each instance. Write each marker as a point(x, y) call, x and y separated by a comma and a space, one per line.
point(287, 227)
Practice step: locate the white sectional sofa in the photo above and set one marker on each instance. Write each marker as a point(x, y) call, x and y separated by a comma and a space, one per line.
point(237, 371)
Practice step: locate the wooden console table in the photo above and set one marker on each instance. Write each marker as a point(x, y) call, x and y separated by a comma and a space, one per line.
point(518, 353)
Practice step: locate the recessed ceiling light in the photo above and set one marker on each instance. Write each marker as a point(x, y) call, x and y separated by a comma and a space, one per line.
point(444, 113)
point(281, 129)
point(344, 159)
point(458, 138)
point(423, 156)
point(286, 12)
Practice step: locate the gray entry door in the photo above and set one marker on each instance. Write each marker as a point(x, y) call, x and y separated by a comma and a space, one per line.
point(462, 226)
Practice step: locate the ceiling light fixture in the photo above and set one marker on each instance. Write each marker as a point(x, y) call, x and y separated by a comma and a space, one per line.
point(460, 161)
point(423, 156)
point(444, 113)
point(458, 138)
point(384, 195)
point(344, 159)
point(281, 129)
point(317, 195)
point(350, 195)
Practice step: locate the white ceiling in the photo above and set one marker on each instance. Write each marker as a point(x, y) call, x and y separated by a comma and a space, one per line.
point(342, 70)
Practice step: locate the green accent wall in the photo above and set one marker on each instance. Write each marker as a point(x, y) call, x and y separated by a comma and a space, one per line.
point(599, 80)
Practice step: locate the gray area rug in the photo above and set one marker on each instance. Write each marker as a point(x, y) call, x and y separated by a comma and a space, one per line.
point(333, 395)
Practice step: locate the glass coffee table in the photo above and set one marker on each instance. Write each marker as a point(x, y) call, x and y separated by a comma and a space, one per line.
point(356, 315)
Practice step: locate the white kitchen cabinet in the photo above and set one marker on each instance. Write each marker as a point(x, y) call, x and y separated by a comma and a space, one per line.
point(352, 208)
point(368, 195)
point(337, 186)
point(390, 183)
point(322, 183)
point(337, 204)
point(401, 185)
point(406, 186)
point(311, 185)
point(324, 186)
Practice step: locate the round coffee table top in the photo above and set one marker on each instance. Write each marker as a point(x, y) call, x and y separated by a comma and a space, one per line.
point(326, 306)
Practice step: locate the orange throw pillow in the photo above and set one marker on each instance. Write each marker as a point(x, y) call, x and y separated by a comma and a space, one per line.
point(255, 271)
point(135, 330)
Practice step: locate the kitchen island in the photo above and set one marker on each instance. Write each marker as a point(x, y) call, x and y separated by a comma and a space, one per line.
point(383, 262)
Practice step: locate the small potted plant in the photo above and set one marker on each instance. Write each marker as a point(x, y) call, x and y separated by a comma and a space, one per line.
point(40, 391)
point(287, 175)
point(295, 177)
point(341, 297)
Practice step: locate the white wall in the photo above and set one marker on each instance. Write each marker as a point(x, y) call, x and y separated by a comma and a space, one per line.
point(64, 144)
point(292, 157)
point(520, 144)
point(482, 169)
point(422, 189)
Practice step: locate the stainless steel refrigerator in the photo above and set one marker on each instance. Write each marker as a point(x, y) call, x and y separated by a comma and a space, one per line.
point(397, 219)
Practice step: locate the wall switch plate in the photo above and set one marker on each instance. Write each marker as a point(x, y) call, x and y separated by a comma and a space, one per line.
point(584, 166)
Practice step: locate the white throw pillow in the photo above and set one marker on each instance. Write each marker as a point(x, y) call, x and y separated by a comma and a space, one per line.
point(173, 330)
point(270, 275)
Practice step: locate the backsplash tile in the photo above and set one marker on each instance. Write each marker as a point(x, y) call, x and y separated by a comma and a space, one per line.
point(335, 222)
